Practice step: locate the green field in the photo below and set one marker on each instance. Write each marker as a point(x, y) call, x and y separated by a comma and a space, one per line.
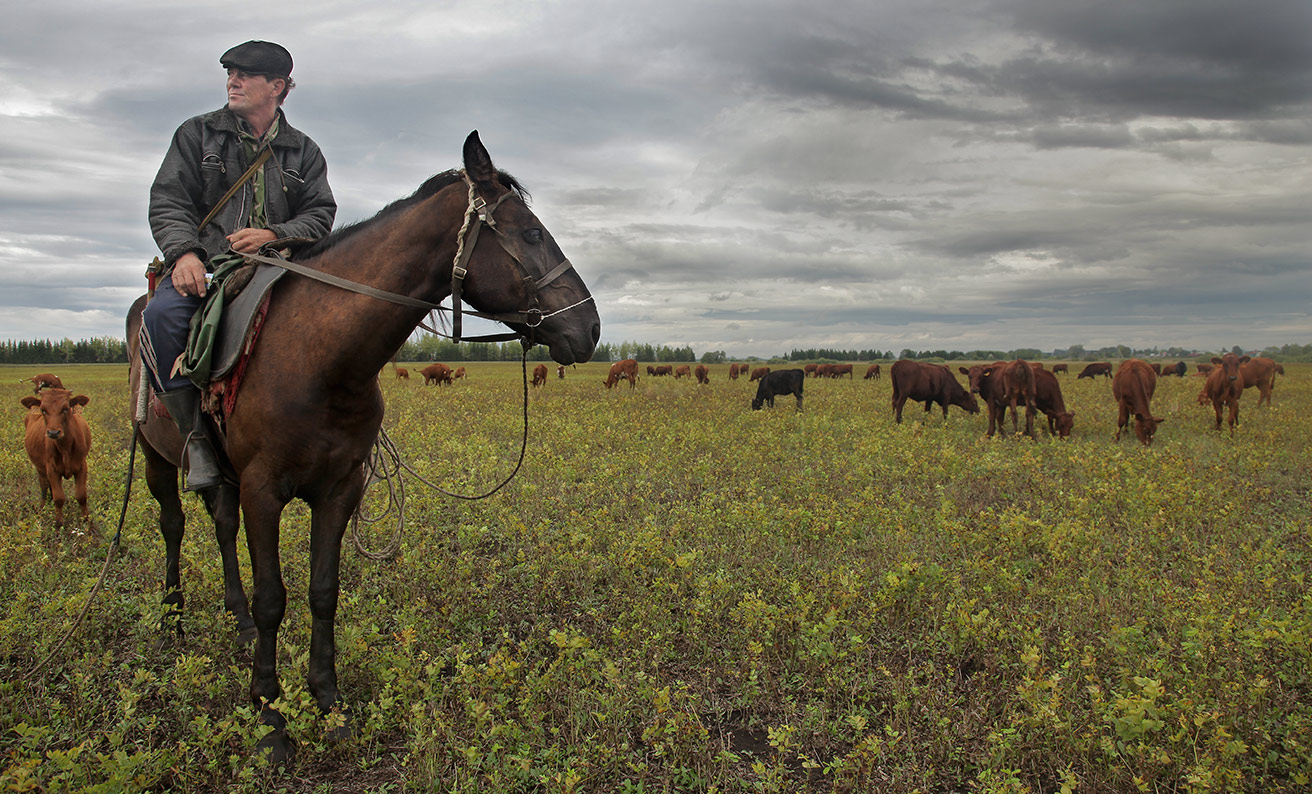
point(678, 594)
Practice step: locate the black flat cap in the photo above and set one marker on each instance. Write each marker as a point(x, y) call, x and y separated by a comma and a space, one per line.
point(259, 57)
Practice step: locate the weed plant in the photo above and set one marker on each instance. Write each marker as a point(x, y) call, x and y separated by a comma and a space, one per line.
point(680, 594)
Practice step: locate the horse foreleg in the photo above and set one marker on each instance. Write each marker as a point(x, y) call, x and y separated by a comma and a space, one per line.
point(222, 504)
point(327, 526)
point(162, 480)
point(263, 511)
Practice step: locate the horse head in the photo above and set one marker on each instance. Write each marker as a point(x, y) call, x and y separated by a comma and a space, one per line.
point(525, 282)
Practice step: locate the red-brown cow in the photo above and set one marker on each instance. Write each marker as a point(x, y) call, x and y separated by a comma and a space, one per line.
point(58, 438)
point(1157, 369)
point(1224, 387)
point(839, 370)
point(1060, 368)
point(733, 372)
point(402, 373)
point(1048, 399)
point(703, 374)
point(623, 370)
point(761, 372)
point(1280, 369)
point(872, 371)
point(539, 374)
point(928, 383)
point(1259, 372)
point(1003, 384)
point(683, 370)
point(1178, 369)
point(43, 381)
point(436, 373)
point(810, 370)
point(458, 374)
point(560, 371)
point(1204, 369)
point(1095, 369)
point(663, 369)
point(1133, 388)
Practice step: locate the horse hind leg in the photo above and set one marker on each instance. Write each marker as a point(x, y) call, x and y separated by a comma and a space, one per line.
point(222, 504)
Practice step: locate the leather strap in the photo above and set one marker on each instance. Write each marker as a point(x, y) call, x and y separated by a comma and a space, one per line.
point(232, 191)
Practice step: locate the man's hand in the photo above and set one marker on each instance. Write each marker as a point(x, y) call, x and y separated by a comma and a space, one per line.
point(189, 275)
point(248, 241)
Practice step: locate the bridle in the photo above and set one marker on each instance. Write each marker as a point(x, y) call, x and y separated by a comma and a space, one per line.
point(478, 213)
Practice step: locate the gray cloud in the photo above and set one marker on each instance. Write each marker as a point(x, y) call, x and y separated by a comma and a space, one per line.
point(944, 174)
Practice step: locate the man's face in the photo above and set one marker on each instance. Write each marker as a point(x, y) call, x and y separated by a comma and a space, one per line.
point(252, 94)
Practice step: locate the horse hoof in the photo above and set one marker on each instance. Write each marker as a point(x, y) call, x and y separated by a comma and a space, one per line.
point(277, 746)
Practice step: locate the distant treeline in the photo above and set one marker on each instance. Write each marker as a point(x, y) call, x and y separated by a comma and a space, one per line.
point(111, 350)
point(100, 350)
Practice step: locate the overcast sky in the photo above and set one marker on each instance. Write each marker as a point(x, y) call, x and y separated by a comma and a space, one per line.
point(751, 177)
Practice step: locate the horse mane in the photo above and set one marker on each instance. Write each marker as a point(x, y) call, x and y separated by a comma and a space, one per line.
point(431, 187)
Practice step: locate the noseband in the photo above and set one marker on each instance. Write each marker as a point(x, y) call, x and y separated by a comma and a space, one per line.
point(477, 215)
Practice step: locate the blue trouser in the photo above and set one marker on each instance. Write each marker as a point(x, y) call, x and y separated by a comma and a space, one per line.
point(166, 322)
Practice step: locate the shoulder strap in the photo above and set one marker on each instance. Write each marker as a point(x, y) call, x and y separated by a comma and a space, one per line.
point(232, 191)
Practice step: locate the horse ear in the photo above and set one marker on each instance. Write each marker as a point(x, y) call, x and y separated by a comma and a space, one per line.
point(478, 163)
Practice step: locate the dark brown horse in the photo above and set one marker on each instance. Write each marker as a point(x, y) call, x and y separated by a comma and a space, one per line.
point(310, 407)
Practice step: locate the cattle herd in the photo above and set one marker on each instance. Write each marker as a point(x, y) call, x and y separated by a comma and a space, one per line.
point(57, 437)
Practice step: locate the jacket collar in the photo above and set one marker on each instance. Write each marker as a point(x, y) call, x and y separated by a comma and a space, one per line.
point(225, 120)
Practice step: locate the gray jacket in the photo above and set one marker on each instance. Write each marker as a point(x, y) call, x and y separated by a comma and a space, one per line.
point(206, 158)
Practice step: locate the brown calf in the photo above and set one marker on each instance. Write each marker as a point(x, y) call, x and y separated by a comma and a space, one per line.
point(872, 371)
point(57, 440)
point(1224, 387)
point(1259, 372)
point(1133, 387)
point(703, 374)
point(539, 374)
point(623, 370)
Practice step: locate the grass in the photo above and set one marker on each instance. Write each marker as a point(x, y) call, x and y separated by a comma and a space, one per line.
point(680, 594)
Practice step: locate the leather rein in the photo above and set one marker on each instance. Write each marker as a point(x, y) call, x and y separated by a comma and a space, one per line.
point(477, 215)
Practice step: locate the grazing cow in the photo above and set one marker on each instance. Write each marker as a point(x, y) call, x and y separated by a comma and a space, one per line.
point(1048, 399)
point(839, 370)
point(539, 374)
point(560, 371)
point(703, 374)
point(1003, 384)
point(872, 371)
point(774, 384)
point(1178, 369)
point(810, 370)
point(436, 373)
point(663, 369)
point(683, 370)
point(58, 438)
point(761, 372)
point(458, 374)
point(623, 370)
point(733, 371)
point(1224, 387)
point(1203, 369)
point(402, 373)
point(1157, 369)
point(1280, 369)
point(1095, 369)
point(43, 381)
point(1060, 368)
point(1133, 388)
point(1259, 372)
point(928, 383)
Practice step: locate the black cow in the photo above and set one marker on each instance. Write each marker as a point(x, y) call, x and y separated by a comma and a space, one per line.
point(783, 381)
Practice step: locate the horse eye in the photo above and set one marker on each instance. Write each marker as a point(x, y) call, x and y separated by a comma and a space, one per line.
point(533, 236)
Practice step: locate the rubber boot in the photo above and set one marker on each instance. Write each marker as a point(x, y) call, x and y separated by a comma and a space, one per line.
point(199, 465)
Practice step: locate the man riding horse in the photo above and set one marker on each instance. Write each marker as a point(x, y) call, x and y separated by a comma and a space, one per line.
point(233, 180)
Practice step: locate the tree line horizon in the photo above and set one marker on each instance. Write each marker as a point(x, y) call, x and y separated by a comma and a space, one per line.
point(113, 350)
